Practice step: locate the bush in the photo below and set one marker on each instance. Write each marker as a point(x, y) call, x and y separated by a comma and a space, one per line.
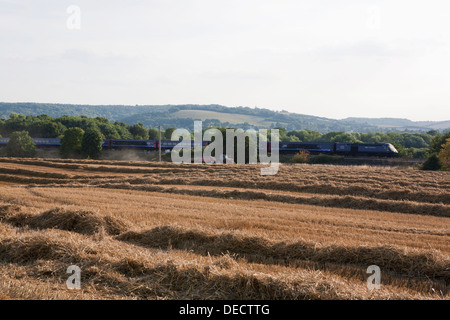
point(91, 145)
point(444, 154)
point(71, 142)
point(300, 157)
point(20, 145)
point(432, 163)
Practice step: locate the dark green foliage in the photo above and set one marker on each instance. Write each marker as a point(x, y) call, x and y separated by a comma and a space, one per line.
point(71, 142)
point(20, 145)
point(413, 153)
point(139, 131)
point(305, 135)
point(91, 145)
point(437, 142)
point(418, 153)
point(123, 130)
point(168, 132)
point(432, 163)
point(108, 130)
point(153, 134)
point(44, 126)
point(340, 137)
point(37, 127)
point(282, 132)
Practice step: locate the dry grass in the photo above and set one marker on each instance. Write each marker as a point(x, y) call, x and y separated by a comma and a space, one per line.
point(141, 230)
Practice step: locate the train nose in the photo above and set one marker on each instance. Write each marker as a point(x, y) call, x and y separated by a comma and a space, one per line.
point(392, 148)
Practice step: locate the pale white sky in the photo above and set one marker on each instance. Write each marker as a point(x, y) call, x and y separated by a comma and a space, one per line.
point(320, 57)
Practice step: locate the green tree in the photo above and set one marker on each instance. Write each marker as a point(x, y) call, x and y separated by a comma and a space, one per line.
point(153, 134)
point(123, 130)
point(306, 135)
point(437, 142)
point(139, 131)
point(329, 136)
point(38, 128)
point(283, 133)
point(108, 130)
point(71, 142)
point(432, 163)
point(20, 145)
point(91, 144)
point(168, 133)
point(433, 132)
point(413, 140)
point(344, 137)
point(444, 154)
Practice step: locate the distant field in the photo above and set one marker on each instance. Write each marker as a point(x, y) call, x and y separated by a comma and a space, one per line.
point(223, 117)
point(148, 230)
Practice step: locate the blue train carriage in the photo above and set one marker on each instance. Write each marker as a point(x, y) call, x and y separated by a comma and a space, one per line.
point(366, 149)
point(381, 149)
point(169, 144)
point(120, 144)
point(4, 142)
point(39, 142)
point(47, 142)
point(311, 147)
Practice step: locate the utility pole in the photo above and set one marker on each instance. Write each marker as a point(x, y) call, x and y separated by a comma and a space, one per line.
point(159, 143)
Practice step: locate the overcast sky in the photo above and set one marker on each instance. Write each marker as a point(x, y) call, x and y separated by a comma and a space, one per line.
point(326, 58)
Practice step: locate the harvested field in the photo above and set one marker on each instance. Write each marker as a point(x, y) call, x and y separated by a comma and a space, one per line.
point(143, 230)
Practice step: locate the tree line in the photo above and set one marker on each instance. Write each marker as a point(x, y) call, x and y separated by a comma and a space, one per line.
point(44, 126)
point(73, 130)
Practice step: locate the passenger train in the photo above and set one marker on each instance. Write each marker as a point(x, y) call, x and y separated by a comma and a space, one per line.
point(339, 148)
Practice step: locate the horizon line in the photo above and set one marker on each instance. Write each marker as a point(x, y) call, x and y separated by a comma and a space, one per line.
point(222, 105)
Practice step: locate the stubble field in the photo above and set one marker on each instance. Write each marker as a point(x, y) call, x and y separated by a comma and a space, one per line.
point(142, 230)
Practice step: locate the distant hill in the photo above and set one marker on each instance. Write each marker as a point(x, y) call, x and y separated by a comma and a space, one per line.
point(437, 125)
point(182, 116)
point(402, 123)
point(111, 112)
point(390, 122)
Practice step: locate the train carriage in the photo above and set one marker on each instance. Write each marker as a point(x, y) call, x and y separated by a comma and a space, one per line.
point(128, 144)
point(311, 147)
point(39, 142)
point(366, 149)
